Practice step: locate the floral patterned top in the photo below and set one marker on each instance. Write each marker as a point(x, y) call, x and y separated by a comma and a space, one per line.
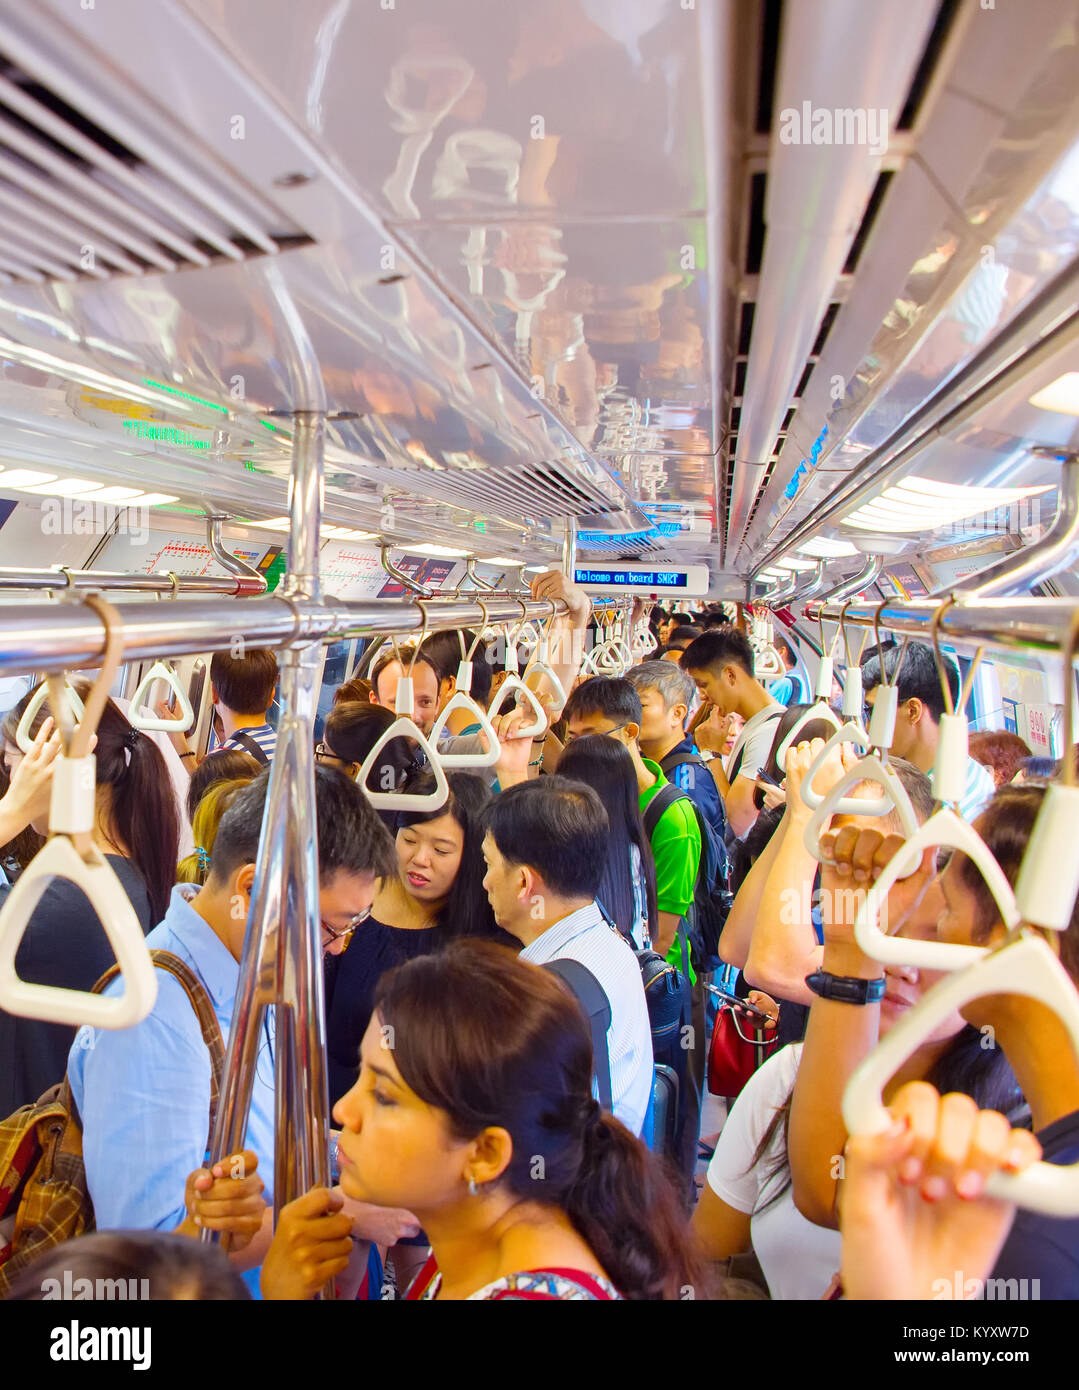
point(528, 1285)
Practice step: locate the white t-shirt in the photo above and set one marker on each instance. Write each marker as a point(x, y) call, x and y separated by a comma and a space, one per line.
point(756, 737)
point(798, 1258)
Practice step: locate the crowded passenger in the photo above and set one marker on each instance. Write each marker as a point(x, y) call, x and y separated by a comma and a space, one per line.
point(144, 1093)
point(544, 849)
point(612, 707)
point(195, 867)
point(136, 830)
point(433, 894)
point(921, 704)
point(955, 905)
point(721, 666)
point(1002, 752)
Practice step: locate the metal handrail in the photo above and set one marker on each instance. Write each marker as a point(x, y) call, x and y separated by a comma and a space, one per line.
point(395, 574)
point(234, 584)
point(1055, 551)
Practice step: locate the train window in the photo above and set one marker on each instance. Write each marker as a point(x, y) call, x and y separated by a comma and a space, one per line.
point(334, 672)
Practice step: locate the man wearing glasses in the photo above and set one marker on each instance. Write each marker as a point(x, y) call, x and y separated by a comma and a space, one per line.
point(144, 1092)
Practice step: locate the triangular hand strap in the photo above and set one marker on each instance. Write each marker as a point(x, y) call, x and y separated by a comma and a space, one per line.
point(463, 701)
point(821, 710)
point(94, 875)
point(1026, 966)
point(851, 732)
point(163, 672)
point(895, 798)
point(23, 736)
point(515, 685)
point(539, 666)
point(948, 831)
point(767, 663)
point(405, 727)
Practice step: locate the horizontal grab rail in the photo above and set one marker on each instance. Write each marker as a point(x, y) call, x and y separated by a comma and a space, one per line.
point(234, 584)
point(43, 637)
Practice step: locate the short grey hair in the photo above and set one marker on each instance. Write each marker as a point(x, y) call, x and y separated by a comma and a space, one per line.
point(674, 685)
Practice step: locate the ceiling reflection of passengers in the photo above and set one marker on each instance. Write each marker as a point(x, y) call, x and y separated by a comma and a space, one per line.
point(425, 686)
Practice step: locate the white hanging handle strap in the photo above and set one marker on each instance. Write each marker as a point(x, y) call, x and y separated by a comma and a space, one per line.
point(68, 704)
point(1026, 966)
point(540, 663)
point(894, 798)
point(944, 830)
point(70, 853)
point(162, 671)
point(821, 710)
point(404, 726)
point(515, 685)
point(850, 732)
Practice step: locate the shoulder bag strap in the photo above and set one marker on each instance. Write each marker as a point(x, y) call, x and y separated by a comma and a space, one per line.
point(593, 999)
point(204, 1011)
point(252, 746)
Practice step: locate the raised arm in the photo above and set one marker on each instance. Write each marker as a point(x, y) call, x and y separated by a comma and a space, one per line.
point(840, 1036)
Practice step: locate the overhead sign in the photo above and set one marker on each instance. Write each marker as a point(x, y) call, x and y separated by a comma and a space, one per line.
point(690, 581)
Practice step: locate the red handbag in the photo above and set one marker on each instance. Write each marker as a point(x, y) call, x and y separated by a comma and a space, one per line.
point(733, 1056)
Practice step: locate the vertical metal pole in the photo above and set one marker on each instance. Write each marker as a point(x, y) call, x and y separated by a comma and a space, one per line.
point(569, 547)
point(281, 963)
point(301, 1153)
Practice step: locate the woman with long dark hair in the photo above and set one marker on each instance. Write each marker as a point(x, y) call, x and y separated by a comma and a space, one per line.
point(137, 829)
point(474, 1110)
point(627, 893)
point(436, 894)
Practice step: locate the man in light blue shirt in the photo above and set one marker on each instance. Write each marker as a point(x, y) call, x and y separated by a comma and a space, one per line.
point(544, 848)
point(917, 722)
point(143, 1093)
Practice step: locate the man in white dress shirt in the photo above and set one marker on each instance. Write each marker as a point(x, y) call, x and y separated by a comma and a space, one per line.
point(545, 847)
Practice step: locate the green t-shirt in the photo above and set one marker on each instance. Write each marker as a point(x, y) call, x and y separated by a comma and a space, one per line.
point(676, 849)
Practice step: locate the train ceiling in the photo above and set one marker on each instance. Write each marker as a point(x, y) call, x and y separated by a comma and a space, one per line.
point(575, 257)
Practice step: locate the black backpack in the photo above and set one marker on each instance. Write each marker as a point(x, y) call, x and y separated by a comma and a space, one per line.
point(711, 893)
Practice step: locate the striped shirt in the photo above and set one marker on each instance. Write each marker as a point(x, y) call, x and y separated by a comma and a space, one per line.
point(585, 936)
point(262, 734)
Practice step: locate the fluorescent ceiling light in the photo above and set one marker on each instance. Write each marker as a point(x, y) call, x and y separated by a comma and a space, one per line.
point(119, 494)
point(156, 499)
point(497, 560)
point(437, 550)
point(790, 563)
point(534, 569)
point(923, 504)
point(64, 487)
point(347, 533)
point(825, 549)
point(19, 478)
point(1061, 395)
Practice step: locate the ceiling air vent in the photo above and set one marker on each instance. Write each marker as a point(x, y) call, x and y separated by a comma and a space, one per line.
point(76, 202)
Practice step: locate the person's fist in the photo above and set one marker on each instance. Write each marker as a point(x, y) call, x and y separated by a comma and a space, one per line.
point(311, 1246)
point(228, 1198)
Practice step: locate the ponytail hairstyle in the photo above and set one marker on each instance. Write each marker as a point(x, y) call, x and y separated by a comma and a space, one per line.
point(495, 1042)
point(196, 867)
point(140, 814)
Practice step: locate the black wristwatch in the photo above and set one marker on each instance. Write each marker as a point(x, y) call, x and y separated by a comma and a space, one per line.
point(847, 989)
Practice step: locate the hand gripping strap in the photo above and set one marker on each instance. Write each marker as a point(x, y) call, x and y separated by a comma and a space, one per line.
point(74, 1007)
point(514, 684)
point(851, 732)
point(539, 666)
point(163, 672)
point(821, 710)
point(947, 830)
point(23, 736)
point(868, 769)
point(1026, 966)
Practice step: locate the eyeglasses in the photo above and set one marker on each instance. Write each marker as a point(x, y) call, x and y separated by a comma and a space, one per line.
point(343, 933)
point(596, 733)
